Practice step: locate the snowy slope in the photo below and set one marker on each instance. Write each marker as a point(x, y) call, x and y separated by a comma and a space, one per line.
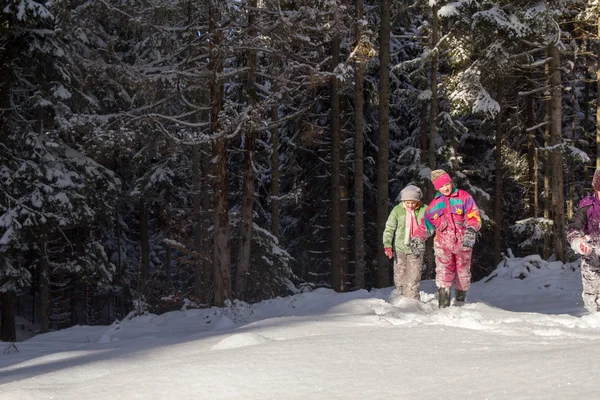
point(523, 334)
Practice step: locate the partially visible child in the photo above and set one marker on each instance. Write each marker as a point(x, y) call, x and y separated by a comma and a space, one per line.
point(401, 225)
point(454, 218)
point(583, 234)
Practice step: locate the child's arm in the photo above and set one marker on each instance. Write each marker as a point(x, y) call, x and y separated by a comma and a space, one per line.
point(473, 217)
point(390, 228)
point(577, 225)
point(576, 232)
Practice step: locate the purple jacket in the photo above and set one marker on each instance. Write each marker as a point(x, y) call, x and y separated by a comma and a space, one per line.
point(586, 220)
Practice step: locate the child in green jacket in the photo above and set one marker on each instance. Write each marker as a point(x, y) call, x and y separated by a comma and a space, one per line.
point(400, 227)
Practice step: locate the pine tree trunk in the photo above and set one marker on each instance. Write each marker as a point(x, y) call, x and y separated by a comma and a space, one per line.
point(344, 201)
point(558, 205)
point(547, 168)
point(144, 249)
point(570, 160)
point(498, 191)
point(207, 221)
point(359, 221)
point(8, 330)
point(168, 260)
point(586, 95)
point(336, 278)
point(222, 249)
point(383, 263)
point(433, 110)
point(531, 167)
point(247, 207)
point(45, 308)
point(197, 214)
point(275, 172)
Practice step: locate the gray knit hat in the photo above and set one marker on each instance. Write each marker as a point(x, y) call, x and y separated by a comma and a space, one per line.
point(411, 192)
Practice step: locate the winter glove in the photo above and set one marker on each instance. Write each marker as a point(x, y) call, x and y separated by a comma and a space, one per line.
point(388, 252)
point(469, 238)
point(417, 246)
point(581, 245)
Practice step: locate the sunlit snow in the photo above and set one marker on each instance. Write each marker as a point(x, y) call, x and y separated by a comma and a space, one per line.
point(523, 334)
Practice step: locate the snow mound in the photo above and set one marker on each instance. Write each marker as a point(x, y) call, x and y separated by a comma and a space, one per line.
point(240, 340)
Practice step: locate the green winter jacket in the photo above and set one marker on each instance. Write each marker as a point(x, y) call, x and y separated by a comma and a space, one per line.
point(395, 227)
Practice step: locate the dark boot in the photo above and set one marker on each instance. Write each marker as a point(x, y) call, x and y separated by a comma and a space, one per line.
point(444, 297)
point(460, 295)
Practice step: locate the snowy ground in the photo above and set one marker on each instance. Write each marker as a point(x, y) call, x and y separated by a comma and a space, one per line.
point(515, 339)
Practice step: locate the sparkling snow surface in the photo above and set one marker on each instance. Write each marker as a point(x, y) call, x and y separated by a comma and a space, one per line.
point(514, 339)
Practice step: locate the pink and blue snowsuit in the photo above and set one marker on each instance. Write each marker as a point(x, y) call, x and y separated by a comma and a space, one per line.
point(449, 217)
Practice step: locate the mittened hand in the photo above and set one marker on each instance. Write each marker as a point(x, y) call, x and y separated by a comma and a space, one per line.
point(388, 252)
point(417, 247)
point(469, 238)
point(581, 246)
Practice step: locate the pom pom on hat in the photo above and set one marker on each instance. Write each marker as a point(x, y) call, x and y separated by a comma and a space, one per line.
point(411, 192)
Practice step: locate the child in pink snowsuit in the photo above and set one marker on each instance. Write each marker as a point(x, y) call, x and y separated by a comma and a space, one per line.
point(454, 217)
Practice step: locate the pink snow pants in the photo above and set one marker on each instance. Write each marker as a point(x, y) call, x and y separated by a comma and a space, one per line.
point(452, 263)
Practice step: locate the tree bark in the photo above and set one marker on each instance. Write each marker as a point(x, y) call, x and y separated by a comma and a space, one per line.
point(558, 205)
point(222, 249)
point(336, 278)
point(531, 164)
point(586, 94)
point(499, 164)
point(383, 263)
point(197, 213)
point(359, 221)
point(144, 249)
point(547, 167)
point(207, 221)
point(275, 172)
point(247, 207)
point(8, 329)
point(344, 200)
point(45, 309)
point(433, 109)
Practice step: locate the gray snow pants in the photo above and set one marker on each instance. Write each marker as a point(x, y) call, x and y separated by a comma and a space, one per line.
point(590, 277)
point(407, 274)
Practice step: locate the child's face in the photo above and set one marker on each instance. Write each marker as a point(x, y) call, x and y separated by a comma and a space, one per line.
point(446, 189)
point(412, 204)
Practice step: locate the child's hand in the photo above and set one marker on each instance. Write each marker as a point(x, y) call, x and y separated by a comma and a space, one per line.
point(469, 238)
point(388, 252)
point(417, 247)
point(581, 245)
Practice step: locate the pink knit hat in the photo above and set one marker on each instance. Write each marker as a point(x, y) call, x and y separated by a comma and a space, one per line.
point(439, 177)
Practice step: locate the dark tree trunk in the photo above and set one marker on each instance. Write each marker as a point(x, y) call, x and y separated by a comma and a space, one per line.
point(359, 221)
point(8, 330)
point(246, 217)
point(383, 263)
point(45, 308)
point(275, 172)
point(222, 248)
point(336, 278)
point(531, 164)
point(433, 109)
point(498, 191)
point(197, 215)
point(558, 204)
point(144, 249)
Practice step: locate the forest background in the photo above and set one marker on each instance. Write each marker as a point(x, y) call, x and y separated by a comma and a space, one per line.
point(161, 154)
